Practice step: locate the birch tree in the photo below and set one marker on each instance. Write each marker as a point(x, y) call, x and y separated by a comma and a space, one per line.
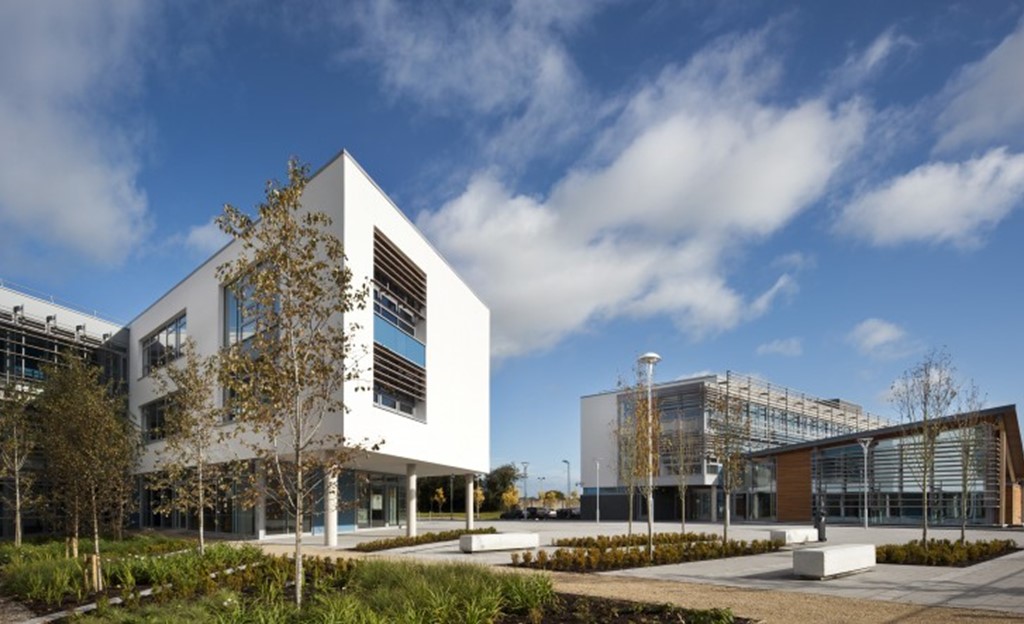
point(627, 467)
point(192, 431)
point(731, 435)
point(970, 435)
point(286, 379)
point(90, 448)
point(18, 440)
point(684, 449)
point(638, 433)
point(923, 396)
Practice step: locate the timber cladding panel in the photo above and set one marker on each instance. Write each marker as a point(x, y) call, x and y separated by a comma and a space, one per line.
point(793, 497)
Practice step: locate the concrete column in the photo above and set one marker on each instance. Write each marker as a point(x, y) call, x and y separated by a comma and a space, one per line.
point(410, 500)
point(470, 479)
point(331, 509)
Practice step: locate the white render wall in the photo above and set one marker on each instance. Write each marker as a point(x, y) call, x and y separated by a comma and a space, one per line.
point(455, 436)
point(598, 416)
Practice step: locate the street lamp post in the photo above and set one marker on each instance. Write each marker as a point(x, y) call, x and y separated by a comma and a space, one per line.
point(568, 479)
point(864, 444)
point(650, 359)
point(597, 464)
point(526, 483)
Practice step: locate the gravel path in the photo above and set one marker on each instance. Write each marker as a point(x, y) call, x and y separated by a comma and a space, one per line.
point(770, 606)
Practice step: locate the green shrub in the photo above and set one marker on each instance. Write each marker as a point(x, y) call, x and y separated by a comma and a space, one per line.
point(614, 557)
point(943, 552)
point(425, 538)
point(605, 542)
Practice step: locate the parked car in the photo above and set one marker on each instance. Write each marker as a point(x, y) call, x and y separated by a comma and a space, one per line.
point(514, 514)
point(569, 513)
point(540, 513)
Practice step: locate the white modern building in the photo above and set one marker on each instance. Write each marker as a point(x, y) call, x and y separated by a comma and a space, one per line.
point(690, 412)
point(426, 340)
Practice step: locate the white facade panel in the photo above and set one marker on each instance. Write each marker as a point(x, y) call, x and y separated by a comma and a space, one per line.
point(454, 437)
point(598, 417)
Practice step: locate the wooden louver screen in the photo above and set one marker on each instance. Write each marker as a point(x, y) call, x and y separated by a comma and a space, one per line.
point(398, 373)
point(393, 270)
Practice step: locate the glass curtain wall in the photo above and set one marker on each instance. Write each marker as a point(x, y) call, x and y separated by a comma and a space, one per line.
point(894, 480)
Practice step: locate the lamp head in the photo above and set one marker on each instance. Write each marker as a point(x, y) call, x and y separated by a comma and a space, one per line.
point(649, 358)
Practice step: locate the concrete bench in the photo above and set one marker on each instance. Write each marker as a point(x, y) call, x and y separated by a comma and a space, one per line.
point(797, 535)
point(498, 541)
point(824, 562)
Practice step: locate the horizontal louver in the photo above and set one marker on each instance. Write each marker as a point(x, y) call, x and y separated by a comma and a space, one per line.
point(394, 371)
point(395, 272)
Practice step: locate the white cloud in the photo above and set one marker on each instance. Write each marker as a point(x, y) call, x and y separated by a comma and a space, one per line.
point(789, 347)
point(67, 176)
point(696, 166)
point(494, 60)
point(206, 239)
point(865, 64)
point(795, 261)
point(954, 203)
point(986, 100)
point(881, 339)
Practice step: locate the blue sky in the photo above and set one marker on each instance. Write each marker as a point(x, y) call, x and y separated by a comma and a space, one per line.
point(814, 192)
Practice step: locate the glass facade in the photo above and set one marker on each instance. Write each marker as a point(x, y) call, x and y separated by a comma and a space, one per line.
point(164, 345)
point(895, 485)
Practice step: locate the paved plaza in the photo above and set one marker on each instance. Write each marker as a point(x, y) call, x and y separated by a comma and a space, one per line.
point(997, 584)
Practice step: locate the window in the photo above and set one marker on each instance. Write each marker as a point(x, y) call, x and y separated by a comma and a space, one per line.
point(387, 307)
point(154, 420)
point(164, 345)
point(240, 315)
point(393, 399)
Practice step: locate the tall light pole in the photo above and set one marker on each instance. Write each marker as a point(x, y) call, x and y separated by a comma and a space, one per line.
point(526, 483)
point(650, 359)
point(568, 479)
point(865, 443)
point(597, 464)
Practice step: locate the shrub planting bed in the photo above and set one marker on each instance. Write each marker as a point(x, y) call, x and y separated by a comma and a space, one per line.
point(426, 538)
point(944, 552)
point(612, 557)
point(243, 584)
point(620, 541)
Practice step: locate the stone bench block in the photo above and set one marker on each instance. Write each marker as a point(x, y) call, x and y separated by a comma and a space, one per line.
point(824, 562)
point(794, 535)
point(498, 541)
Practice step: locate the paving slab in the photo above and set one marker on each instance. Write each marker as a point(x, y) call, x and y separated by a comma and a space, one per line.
point(993, 585)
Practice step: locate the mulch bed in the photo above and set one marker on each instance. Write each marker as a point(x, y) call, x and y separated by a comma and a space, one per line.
point(578, 609)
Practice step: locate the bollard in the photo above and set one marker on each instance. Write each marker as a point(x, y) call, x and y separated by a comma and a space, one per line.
point(821, 527)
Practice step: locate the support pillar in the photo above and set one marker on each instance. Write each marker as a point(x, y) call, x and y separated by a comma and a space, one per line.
point(410, 500)
point(331, 510)
point(470, 500)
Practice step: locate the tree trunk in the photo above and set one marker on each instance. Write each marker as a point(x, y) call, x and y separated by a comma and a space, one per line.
point(682, 510)
point(630, 496)
point(924, 511)
point(75, 521)
point(97, 568)
point(202, 509)
point(17, 509)
point(298, 531)
point(650, 526)
point(727, 494)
